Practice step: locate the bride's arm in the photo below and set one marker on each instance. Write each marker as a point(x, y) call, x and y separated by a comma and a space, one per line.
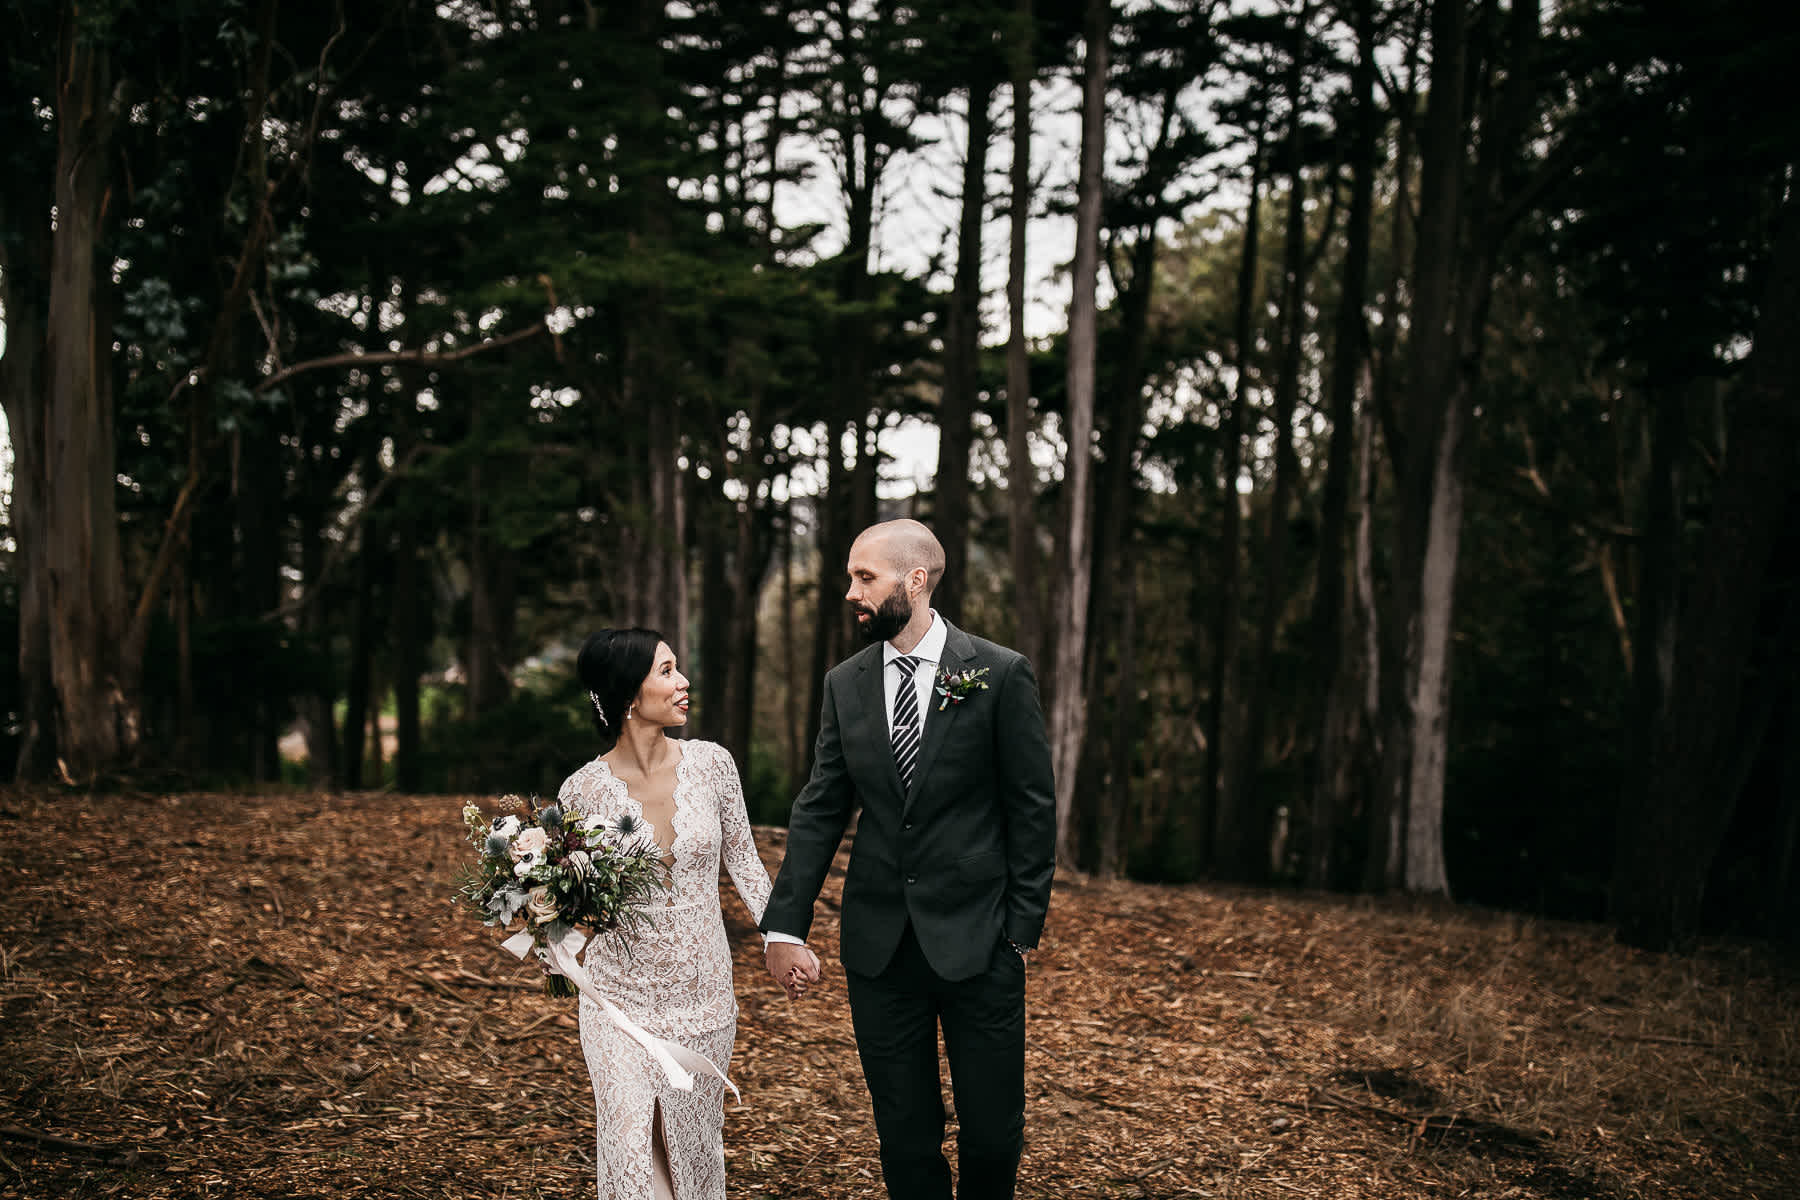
point(737, 846)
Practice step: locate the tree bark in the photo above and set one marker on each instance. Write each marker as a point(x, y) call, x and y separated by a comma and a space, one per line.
point(1021, 477)
point(751, 551)
point(1116, 802)
point(836, 513)
point(1659, 573)
point(98, 711)
point(1217, 799)
point(790, 661)
point(409, 653)
point(1333, 714)
point(23, 395)
point(1068, 706)
point(962, 349)
point(365, 628)
point(716, 604)
point(1667, 842)
point(316, 718)
point(1413, 707)
point(1385, 814)
point(488, 653)
point(1245, 841)
point(1456, 282)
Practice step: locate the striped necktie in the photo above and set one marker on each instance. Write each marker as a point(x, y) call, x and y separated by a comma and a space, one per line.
point(906, 721)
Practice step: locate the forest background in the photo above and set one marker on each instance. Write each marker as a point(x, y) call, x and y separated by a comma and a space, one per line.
point(1376, 418)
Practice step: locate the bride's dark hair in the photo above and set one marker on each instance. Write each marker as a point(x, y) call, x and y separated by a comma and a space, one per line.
point(612, 666)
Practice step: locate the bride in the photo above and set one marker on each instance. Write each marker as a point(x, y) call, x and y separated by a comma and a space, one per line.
point(674, 981)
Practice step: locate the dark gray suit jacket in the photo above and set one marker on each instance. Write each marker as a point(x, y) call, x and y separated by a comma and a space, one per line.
point(966, 854)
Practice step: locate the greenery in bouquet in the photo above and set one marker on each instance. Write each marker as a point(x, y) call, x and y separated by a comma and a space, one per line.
point(558, 872)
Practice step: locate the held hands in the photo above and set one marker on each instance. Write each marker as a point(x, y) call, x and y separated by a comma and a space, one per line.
point(794, 967)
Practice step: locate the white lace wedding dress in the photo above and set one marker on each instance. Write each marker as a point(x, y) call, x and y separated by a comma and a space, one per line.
point(675, 982)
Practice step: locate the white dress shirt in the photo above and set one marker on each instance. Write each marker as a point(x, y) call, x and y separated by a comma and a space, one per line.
point(929, 652)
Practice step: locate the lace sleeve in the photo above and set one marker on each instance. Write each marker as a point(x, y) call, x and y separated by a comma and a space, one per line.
point(577, 792)
point(737, 844)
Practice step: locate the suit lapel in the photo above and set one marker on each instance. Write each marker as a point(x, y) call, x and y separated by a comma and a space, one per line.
point(959, 652)
point(871, 679)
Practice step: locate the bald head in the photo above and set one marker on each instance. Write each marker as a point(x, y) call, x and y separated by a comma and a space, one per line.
point(906, 546)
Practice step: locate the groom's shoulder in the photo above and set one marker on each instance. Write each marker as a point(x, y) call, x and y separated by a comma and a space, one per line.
point(993, 652)
point(854, 663)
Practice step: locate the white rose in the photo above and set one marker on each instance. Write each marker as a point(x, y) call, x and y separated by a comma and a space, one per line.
point(532, 843)
point(540, 906)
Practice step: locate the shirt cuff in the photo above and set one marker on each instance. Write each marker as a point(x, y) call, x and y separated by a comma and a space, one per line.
point(773, 936)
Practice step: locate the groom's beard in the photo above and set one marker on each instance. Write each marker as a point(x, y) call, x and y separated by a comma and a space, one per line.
point(888, 620)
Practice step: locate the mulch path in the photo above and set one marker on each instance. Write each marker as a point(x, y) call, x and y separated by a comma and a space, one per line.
point(270, 995)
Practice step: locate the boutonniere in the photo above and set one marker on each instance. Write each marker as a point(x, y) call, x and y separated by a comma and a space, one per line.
point(957, 686)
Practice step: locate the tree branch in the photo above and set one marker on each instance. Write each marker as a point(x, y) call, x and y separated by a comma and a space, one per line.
point(421, 358)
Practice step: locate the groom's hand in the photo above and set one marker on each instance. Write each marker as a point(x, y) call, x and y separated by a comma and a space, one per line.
point(793, 966)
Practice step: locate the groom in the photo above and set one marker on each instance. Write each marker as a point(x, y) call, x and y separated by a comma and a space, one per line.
point(938, 738)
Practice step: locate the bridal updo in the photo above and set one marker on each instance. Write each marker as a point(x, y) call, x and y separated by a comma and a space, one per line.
point(612, 666)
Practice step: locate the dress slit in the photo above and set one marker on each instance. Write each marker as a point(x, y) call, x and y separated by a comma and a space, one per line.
point(662, 1164)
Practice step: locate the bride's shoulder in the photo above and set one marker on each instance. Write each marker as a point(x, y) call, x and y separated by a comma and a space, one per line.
point(703, 752)
point(584, 781)
point(710, 755)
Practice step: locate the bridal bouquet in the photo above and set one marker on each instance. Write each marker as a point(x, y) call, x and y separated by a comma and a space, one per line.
point(562, 875)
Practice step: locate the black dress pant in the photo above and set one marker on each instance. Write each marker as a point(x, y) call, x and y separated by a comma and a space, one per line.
point(897, 1014)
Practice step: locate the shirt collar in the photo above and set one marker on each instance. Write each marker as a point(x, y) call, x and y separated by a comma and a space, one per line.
point(930, 648)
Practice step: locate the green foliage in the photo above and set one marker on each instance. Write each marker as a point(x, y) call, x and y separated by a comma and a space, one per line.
point(435, 178)
point(529, 744)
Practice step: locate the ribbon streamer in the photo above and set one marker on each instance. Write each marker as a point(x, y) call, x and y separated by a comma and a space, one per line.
point(678, 1062)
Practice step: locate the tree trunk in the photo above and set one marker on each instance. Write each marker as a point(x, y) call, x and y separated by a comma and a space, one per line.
point(749, 561)
point(258, 513)
point(316, 718)
point(1245, 840)
point(716, 605)
point(1659, 574)
point(1334, 710)
point(749, 564)
point(1068, 715)
point(790, 661)
point(1427, 451)
point(487, 657)
point(835, 513)
point(23, 396)
point(1116, 804)
point(1113, 579)
point(97, 707)
point(1218, 800)
point(1668, 841)
point(412, 601)
point(962, 350)
point(1386, 813)
point(1455, 281)
point(411, 606)
point(365, 632)
point(1021, 477)
point(1783, 903)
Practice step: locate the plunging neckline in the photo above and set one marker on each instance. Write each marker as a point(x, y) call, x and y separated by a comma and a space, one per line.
point(636, 807)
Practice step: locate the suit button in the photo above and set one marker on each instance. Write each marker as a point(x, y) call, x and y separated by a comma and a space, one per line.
point(908, 825)
point(912, 879)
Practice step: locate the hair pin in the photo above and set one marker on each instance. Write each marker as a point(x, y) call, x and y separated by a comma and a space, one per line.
point(598, 710)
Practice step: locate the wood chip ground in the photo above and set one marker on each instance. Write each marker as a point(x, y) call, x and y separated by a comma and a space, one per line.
point(270, 995)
